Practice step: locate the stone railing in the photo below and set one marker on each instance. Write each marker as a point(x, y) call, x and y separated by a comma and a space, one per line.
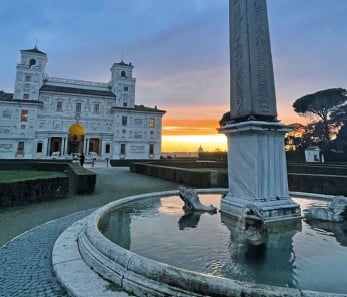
point(76, 82)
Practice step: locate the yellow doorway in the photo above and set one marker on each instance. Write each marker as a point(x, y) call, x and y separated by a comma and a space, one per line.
point(76, 138)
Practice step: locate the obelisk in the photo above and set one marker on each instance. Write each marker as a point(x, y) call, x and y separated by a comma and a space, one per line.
point(257, 167)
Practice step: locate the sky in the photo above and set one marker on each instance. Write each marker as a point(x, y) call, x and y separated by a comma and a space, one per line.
point(180, 50)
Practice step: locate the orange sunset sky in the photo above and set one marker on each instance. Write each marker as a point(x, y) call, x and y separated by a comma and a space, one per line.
point(186, 134)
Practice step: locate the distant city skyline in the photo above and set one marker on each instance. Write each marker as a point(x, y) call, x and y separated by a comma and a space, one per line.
point(180, 50)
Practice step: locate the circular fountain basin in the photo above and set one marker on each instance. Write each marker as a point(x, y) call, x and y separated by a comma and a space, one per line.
point(147, 245)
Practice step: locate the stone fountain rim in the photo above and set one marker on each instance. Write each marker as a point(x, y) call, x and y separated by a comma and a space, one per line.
point(140, 275)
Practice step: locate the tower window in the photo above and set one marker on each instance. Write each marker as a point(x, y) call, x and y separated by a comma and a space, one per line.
point(126, 89)
point(32, 62)
point(123, 73)
point(125, 104)
point(96, 108)
point(24, 115)
point(27, 78)
point(78, 107)
point(25, 96)
point(124, 121)
point(151, 123)
point(59, 106)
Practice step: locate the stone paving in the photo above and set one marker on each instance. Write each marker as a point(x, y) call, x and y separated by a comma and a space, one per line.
point(25, 261)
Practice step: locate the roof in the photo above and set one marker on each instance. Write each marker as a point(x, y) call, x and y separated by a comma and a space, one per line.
point(141, 108)
point(34, 50)
point(123, 63)
point(5, 96)
point(69, 90)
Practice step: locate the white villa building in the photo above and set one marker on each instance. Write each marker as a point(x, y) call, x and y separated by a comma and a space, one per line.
point(48, 114)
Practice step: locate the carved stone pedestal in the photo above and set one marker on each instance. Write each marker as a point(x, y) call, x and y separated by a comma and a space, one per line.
point(257, 171)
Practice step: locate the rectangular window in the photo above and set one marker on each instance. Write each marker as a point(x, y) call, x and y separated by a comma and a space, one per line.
point(124, 131)
point(124, 121)
point(27, 78)
point(126, 89)
point(78, 107)
point(96, 108)
point(24, 115)
point(20, 146)
point(107, 148)
point(151, 123)
point(59, 106)
point(25, 96)
point(122, 148)
point(39, 147)
point(125, 104)
point(151, 149)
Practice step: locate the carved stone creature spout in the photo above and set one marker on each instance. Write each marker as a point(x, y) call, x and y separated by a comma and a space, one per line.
point(253, 227)
point(192, 202)
point(335, 212)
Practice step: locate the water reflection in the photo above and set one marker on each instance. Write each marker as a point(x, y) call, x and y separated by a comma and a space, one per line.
point(159, 229)
point(120, 221)
point(271, 262)
point(335, 229)
point(190, 219)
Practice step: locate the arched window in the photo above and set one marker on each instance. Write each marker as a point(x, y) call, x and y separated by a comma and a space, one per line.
point(122, 73)
point(32, 62)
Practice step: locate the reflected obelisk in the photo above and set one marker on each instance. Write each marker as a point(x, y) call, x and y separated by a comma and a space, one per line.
point(256, 159)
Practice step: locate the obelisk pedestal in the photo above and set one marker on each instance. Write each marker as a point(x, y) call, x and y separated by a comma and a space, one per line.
point(256, 159)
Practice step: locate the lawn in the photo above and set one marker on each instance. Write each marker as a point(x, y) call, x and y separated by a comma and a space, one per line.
point(19, 175)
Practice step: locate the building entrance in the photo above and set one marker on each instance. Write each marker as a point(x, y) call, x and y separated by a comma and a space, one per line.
point(75, 139)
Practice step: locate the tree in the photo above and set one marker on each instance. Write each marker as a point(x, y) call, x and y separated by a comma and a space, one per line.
point(293, 139)
point(321, 105)
point(313, 135)
point(339, 120)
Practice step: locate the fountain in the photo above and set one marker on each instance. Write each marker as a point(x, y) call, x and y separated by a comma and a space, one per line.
point(260, 221)
point(257, 169)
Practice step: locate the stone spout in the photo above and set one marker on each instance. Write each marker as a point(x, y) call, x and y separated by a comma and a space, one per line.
point(192, 202)
point(254, 230)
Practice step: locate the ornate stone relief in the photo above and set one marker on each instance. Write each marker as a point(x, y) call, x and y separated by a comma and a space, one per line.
point(251, 74)
point(137, 148)
point(6, 147)
point(7, 113)
point(5, 130)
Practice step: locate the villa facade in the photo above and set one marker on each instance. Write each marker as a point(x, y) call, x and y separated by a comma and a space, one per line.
point(48, 114)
